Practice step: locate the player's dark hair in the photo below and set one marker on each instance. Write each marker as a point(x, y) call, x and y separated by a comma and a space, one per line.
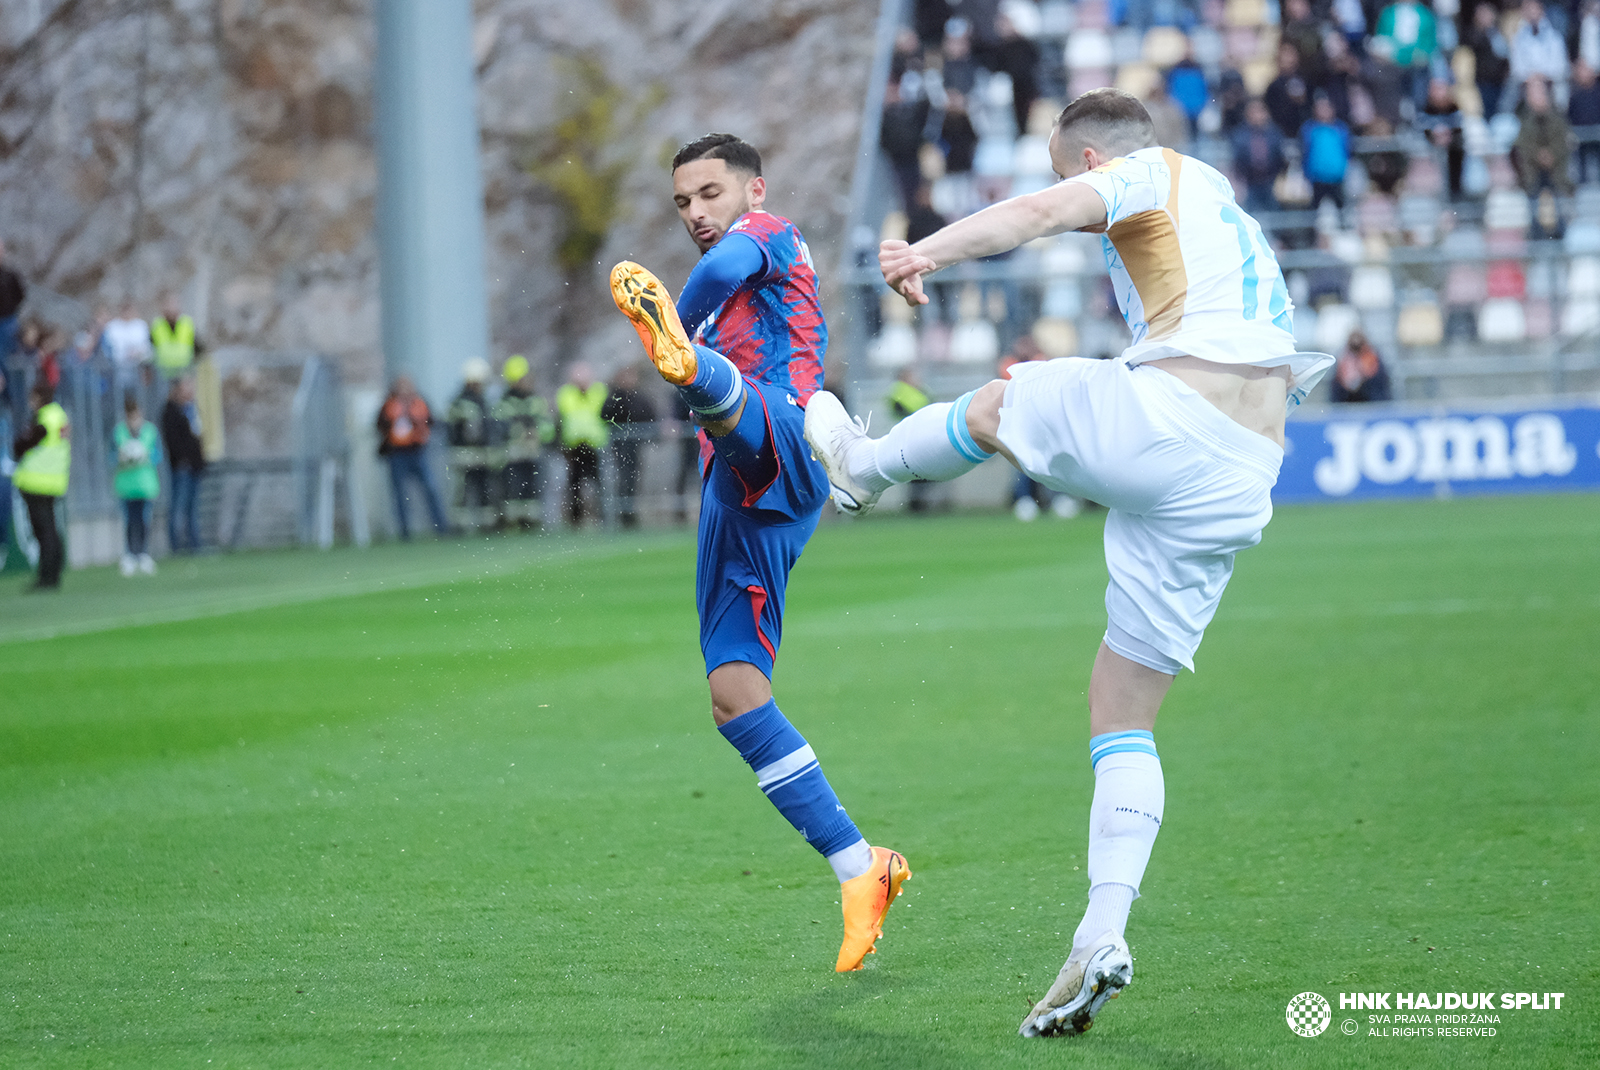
point(1109, 120)
point(739, 154)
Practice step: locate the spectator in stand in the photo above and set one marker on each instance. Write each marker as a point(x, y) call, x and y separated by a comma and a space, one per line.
point(404, 424)
point(1406, 38)
point(1350, 19)
point(44, 463)
point(960, 72)
point(137, 450)
point(1258, 156)
point(173, 340)
point(1186, 84)
point(1304, 32)
point(1386, 168)
point(1491, 57)
point(13, 291)
point(1325, 153)
point(1586, 37)
point(1341, 81)
point(1542, 149)
point(956, 135)
point(1441, 118)
point(688, 467)
point(906, 396)
point(907, 54)
point(921, 219)
point(1170, 124)
point(901, 138)
point(1583, 110)
point(1359, 374)
point(127, 342)
point(583, 435)
point(632, 414)
point(1232, 101)
point(180, 435)
point(1288, 99)
point(1538, 51)
point(1012, 54)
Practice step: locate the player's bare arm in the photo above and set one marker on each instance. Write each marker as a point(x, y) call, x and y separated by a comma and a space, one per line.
point(999, 228)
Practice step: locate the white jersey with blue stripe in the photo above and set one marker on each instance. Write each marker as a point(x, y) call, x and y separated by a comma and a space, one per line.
point(1193, 273)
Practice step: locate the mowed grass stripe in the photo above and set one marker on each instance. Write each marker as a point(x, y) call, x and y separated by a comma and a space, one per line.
point(488, 822)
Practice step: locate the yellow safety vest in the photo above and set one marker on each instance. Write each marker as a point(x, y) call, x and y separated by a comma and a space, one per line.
point(44, 469)
point(907, 398)
point(580, 415)
point(173, 344)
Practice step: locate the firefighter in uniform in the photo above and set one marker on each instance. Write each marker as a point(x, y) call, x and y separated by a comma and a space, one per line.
point(905, 398)
point(470, 429)
point(529, 429)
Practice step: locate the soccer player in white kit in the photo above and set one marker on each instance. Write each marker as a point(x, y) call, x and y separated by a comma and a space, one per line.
point(1181, 438)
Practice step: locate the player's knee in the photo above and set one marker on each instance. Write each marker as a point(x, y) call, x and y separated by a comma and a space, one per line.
point(983, 414)
point(737, 687)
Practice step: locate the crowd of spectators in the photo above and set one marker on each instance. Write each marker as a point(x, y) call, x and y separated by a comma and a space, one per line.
point(109, 375)
point(1463, 130)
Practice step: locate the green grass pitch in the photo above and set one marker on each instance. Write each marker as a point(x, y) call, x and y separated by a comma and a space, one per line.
point(462, 805)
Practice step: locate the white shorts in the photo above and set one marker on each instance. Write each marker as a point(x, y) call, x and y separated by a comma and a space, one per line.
point(1187, 488)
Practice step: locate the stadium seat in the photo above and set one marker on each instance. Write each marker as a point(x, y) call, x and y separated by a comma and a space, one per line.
point(1583, 277)
point(1467, 284)
point(1423, 177)
point(1474, 176)
point(1501, 320)
point(994, 156)
point(1582, 239)
point(1420, 325)
point(1164, 46)
point(1501, 174)
point(1031, 156)
point(974, 342)
point(1539, 317)
point(1126, 45)
point(1464, 243)
point(1334, 324)
point(1137, 78)
point(1372, 287)
point(1056, 18)
point(1067, 255)
point(1088, 49)
point(1209, 47)
point(1056, 336)
point(895, 346)
point(1089, 78)
point(1580, 317)
point(1541, 279)
point(1475, 136)
point(1062, 300)
point(1306, 328)
point(1507, 209)
point(1245, 13)
point(1506, 279)
point(1376, 214)
point(1503, 129)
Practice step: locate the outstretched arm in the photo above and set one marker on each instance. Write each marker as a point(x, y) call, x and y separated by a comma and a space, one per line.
point(998, 228)
point(727, 265)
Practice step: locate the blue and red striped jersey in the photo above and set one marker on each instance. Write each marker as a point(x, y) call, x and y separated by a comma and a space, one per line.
point(772, 326)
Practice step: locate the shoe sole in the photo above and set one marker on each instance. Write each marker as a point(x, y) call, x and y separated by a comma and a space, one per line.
point(644, 300)
point(1100, 984)
point(846, 501)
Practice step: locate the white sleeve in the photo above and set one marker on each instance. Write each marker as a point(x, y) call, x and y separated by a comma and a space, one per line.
point(1127, 186)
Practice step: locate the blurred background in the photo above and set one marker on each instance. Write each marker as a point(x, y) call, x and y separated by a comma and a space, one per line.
point(266, 222)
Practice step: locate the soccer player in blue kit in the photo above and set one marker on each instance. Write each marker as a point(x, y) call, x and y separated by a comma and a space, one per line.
point(754, 361)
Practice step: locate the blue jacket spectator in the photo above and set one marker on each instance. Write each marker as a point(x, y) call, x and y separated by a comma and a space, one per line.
point(1186, 84)
point(1325, 153)
point(1258, 156)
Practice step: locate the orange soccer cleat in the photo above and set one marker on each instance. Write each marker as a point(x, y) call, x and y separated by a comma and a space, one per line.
point(644, 299)
point(866, 900)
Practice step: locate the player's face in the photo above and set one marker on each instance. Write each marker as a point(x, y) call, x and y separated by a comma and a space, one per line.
point(711, 198)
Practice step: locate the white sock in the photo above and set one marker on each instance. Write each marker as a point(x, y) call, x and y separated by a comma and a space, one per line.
point(932, 443)
point(852, 861)
point(1108, 909)
point(1129, 797)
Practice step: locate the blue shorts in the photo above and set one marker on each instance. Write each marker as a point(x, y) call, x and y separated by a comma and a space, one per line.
point(750, 537)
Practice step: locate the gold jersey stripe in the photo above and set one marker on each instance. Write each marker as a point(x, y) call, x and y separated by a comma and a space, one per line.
point(1147, 242)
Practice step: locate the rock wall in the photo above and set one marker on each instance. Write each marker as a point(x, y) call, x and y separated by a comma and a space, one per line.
point(223, 149)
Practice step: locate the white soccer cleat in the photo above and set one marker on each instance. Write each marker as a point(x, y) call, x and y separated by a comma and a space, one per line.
point(1081, 989)
point(833, 434)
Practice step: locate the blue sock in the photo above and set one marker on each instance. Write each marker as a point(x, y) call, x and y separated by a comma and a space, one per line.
point(717, 385)
point(788, 772)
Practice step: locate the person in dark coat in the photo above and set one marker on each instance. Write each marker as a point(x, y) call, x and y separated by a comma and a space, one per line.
point(180, 438)
point(633, 418)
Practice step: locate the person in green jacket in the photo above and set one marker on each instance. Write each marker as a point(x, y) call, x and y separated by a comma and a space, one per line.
point(138, 449)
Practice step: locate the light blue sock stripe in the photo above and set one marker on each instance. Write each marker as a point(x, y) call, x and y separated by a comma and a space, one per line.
point(955, 428)
point(1137, 741)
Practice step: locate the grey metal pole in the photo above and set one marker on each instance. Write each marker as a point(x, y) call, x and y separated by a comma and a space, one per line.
point(430, 194)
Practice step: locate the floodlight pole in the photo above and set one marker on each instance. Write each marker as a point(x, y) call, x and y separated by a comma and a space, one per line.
point(430, 194)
